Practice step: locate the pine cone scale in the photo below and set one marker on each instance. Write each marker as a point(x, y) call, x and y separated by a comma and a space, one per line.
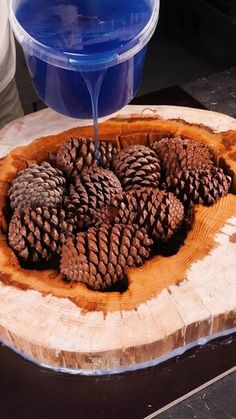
point(177, 154)
point(91, 191)
point(105, 271)
point(36, 241)
point(159, 212)
point(136, 166)
point(37, 186)
point(203, 186)
point(77, 154)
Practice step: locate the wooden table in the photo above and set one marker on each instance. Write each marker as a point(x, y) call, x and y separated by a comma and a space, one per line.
point(28, 391)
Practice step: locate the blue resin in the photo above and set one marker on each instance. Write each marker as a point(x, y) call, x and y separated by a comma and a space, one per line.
point(79, 28)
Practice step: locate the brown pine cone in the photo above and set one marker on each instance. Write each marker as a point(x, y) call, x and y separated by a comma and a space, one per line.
point(77, 154)
point(100, 256)
point(37, 186)
point(177, 154)
point(137, 166)
point(199, 186)
point(92, 190)
point(36, 235)
point(159, 212)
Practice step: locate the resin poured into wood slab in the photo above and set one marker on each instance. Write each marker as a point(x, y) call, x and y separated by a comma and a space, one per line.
point(170, 302)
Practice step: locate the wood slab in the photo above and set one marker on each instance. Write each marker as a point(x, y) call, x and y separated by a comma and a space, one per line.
point(170, 302)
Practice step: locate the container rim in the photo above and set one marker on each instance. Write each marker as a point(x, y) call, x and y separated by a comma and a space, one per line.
point(86, 62)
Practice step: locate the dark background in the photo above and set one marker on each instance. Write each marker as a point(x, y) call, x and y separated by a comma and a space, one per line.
point(31, 392)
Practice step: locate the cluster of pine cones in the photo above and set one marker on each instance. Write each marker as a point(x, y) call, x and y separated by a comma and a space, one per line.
point(101, 219)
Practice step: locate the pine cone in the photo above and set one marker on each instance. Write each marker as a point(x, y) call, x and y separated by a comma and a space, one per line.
point(100, 256)
point(137, 166)
point(177, 154)
point(37, 186)
point(79, 153)
point(159, 212)
point(92, 190)
point(36, 235)
point(199, 186)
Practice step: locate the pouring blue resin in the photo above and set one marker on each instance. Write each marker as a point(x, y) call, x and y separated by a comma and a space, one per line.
point(85, 56)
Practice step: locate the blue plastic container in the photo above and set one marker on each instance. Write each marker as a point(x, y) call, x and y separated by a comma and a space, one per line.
point(99, 44)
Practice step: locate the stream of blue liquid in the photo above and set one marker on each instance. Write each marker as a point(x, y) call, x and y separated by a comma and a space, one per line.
point(85, 27)
point(93, 81)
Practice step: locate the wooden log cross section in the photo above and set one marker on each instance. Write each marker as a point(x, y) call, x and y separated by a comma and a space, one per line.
point(170, 301)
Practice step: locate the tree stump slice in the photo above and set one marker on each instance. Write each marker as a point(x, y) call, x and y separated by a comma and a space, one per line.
point(171, 302)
